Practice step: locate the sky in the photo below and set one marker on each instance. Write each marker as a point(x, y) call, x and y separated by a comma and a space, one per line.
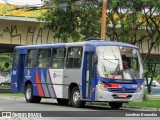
point(23, 2)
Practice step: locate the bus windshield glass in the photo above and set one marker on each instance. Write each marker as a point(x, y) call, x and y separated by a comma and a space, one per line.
point(116, 62)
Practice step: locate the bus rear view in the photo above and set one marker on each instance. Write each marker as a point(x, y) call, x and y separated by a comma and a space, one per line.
point(80, 72)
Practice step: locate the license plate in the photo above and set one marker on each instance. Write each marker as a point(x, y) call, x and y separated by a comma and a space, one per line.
point(122, 95)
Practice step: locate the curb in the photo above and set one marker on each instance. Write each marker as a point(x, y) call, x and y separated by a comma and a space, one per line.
point(14, 98)
point(5, 90)
point(138, 107)
point(154, 96)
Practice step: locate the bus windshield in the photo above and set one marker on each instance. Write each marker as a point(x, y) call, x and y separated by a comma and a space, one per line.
point(116, 62)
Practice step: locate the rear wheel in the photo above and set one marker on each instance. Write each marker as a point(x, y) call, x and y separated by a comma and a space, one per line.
point(30, 98)
point(115, 105)
point(62, 101)
point(76, 98)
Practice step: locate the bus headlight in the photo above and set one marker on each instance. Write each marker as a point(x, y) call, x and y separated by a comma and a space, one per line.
point(102, 86)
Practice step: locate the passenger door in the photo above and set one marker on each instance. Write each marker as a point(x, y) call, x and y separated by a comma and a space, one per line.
point(21, 72)
point(14, 72)
point(18, 71)
point(88, 74)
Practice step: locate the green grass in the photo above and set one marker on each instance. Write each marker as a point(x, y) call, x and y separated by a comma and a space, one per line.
point(150, 103)
point(12, 94)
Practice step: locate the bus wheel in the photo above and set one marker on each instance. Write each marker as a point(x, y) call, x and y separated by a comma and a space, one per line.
point(76, 98)
point(29, 95)
point(62, 101)
point(115, 105)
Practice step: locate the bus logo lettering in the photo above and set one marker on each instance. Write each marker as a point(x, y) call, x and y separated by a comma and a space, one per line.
point(14, 72)
point(28, 72)
point(134, 86)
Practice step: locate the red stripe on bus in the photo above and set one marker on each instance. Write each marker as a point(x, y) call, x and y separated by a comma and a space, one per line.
point(40, 91)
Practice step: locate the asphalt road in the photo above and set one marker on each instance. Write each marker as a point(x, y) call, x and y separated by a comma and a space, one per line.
point(19, 104)
point(49, 107)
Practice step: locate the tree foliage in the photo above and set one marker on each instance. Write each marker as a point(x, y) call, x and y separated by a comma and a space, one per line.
point(71, 19)
point(151, 71)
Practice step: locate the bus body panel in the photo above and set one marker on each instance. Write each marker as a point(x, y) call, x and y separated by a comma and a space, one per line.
point(57, 81)
point(14, 82)
point(46, 82)
point(73, 76)
point(30, 76)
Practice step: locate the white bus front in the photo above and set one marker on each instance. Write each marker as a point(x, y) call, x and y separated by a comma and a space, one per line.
point(120, 75)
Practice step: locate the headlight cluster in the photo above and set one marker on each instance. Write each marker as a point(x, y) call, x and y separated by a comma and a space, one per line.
point(102, 86)
point(105, 86)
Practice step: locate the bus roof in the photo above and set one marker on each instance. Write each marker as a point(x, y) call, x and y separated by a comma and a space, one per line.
point(92, 43)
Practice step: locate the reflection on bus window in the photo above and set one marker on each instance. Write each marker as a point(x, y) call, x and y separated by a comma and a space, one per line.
point(130, 63)
point(32, 58)
point(119, 62)
point(74, 57)
point(44, 58)
point(58, 58)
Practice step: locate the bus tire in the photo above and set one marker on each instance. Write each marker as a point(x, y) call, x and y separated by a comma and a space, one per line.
point(62, 101)
point(115, 105)
point(76, 98)
point(30, 98)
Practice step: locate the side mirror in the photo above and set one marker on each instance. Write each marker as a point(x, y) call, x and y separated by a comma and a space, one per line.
point(6, 65)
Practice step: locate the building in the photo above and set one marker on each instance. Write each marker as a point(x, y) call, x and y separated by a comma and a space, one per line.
point(19, 26)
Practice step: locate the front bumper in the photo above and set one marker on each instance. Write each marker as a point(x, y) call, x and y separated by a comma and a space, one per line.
point(101, 95)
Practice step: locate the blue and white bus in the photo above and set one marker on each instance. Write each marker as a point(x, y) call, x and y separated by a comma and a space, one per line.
point(79, 72)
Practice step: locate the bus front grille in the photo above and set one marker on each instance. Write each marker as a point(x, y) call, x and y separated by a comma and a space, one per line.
point(120, 90)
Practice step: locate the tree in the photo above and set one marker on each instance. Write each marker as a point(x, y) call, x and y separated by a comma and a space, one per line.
point(73, 19)
point(151, 67)
point(138, 21)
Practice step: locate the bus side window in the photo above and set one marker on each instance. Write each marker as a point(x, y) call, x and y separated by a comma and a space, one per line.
point(58, 58)
point(32, 58)
point(74, 57)
point(44, 58)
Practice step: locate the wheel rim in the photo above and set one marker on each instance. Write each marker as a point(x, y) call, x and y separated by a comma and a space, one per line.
point(28, 93)
point(76, 97)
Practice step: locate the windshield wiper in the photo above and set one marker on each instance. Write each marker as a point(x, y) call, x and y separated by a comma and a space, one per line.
point(118, 66)
point(131, 74)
